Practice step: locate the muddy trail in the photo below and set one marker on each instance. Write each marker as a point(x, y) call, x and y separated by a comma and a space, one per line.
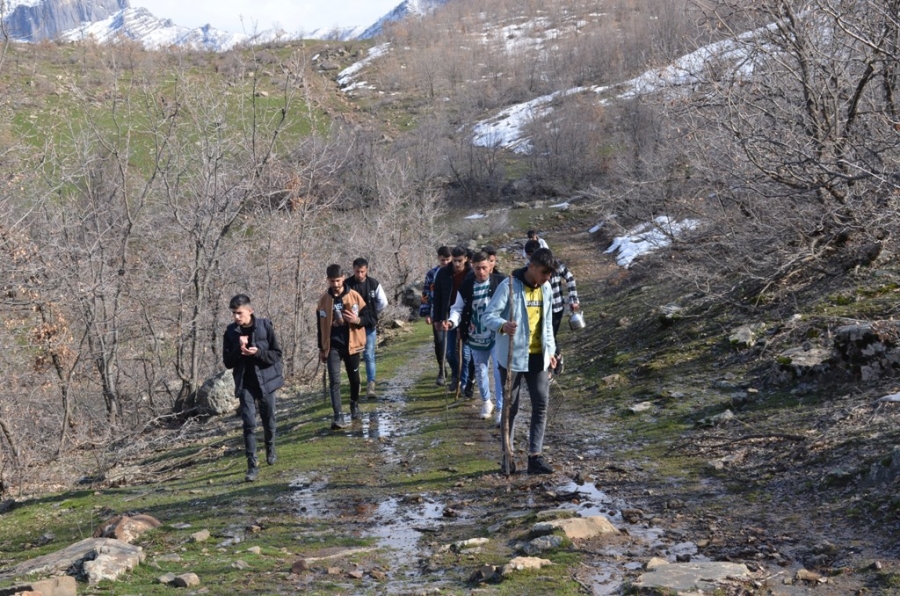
point(431, 541)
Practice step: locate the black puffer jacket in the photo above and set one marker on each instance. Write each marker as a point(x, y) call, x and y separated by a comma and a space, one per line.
point(266, 361)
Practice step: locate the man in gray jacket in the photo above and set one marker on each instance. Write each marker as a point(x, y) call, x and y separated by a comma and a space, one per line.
point(533, 350)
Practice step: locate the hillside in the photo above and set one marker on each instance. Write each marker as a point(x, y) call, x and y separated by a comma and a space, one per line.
point(379, 507)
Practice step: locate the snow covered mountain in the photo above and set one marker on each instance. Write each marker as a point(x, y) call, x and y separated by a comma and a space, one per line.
point(109, 20)
point(139, 24)
point(37, 20)
point(403, 10)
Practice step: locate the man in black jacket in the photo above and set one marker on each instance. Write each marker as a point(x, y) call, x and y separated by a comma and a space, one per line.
point(446, 285)
point(251, 350)
point(372, 292)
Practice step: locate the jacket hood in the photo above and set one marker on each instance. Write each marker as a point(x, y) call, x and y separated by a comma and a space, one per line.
point(520, 275)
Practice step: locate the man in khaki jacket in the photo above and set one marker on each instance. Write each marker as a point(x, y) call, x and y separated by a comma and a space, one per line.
point(342, 316)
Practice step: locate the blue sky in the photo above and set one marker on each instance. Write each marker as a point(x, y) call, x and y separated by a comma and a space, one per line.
point(290, 15)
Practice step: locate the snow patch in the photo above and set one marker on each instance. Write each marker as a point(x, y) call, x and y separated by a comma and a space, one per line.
point(346, 76)
point(476, 216)
point(562, 206)
point(647, 237)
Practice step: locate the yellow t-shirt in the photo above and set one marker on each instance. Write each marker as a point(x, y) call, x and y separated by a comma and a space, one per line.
point(534, 307)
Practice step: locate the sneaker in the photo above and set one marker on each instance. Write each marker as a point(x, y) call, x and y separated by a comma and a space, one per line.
point(454, 382)
point(271, 458)
point(498, 417)
point(354, 411)
point(338, 423)
point(487, 408)
point(537, 465)
point(470, 390)
point(370, 392)
point(440, 380)
point(559, 365)
point(252, 473)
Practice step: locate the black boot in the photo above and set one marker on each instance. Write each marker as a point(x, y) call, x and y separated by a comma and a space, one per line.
point(354, 411)
point(252, 469)
point(271, 458)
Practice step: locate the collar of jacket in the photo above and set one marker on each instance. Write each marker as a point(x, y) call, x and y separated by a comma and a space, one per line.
point(520, 275)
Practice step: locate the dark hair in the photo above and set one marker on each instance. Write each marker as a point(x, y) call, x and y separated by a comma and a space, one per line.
point(543, 258)
point(360, 262)
point(531, 246)
point(489, 250)
point(458, 251)
point(469, 253)
point(531, 234)
point(238, 301)
point(479, 257)
point(444, 251)
point(334, 271)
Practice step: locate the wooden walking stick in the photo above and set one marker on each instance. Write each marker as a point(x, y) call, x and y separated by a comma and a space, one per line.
point(444, 368)
point(459, 359)
point(506, 464)
point(324, 385)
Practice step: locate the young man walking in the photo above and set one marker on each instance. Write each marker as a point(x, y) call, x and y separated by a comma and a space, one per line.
point(533, 350)
point(561, 273)
point(342, 315)
point(372, 292)
point(251, 349)
point(446, 285)
point(467, 314)
point(443, 254)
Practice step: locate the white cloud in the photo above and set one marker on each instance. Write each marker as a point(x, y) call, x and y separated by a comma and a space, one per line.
point(290, 15)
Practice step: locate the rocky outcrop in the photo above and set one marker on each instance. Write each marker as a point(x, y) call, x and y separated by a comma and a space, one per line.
point(95, 559)
point(47, 19)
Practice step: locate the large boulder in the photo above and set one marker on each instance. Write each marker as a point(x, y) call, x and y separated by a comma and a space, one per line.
point(214, 398)
point(126, 528)
point(95, 559)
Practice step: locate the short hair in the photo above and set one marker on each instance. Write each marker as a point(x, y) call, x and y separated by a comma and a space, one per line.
point(334, 271)
point(238, 301)
point(469, 253)
point(531, 234)
point(543, 258)
point(360, 262)
point(489, 250)
point(444, 251)
point(531, 246)
point(479, 257)
point(458, 251)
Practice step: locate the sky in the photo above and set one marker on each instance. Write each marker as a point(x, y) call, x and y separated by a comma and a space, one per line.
point(290, 15)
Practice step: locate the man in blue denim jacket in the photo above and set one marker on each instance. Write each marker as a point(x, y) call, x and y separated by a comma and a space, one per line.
point(534, 349)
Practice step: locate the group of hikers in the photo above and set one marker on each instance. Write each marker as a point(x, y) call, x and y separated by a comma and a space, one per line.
point(485, 326)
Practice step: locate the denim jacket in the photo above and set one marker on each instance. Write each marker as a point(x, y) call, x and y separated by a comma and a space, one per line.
point(497, 314)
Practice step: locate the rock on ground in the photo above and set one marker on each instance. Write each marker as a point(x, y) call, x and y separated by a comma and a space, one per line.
point(577, 527)
point(100, 558)
point(680, 577)
point(57, 586)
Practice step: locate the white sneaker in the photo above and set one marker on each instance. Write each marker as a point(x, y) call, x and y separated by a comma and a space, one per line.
point(498, 417)
point(487, 408)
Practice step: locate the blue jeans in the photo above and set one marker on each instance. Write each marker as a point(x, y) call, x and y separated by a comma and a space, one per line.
point(369, 355)
point(453, 357)
point(486, 363)
point(538, 383)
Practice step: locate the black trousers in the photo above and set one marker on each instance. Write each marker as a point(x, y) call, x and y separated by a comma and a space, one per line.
point(351, 364)
point(439, 338)
point(252, 400)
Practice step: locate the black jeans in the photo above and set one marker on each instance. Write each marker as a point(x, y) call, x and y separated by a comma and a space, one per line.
point(351, 364)
point(250, 401)
point(539, 390)
point(439, 339)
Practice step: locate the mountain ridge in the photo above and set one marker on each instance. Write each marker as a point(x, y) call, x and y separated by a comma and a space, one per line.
point(106, 21)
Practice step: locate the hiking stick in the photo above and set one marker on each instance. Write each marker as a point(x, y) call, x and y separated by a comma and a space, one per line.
point(506, 464)
point(324, 385)
point(444, 367)
point(459, 359)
